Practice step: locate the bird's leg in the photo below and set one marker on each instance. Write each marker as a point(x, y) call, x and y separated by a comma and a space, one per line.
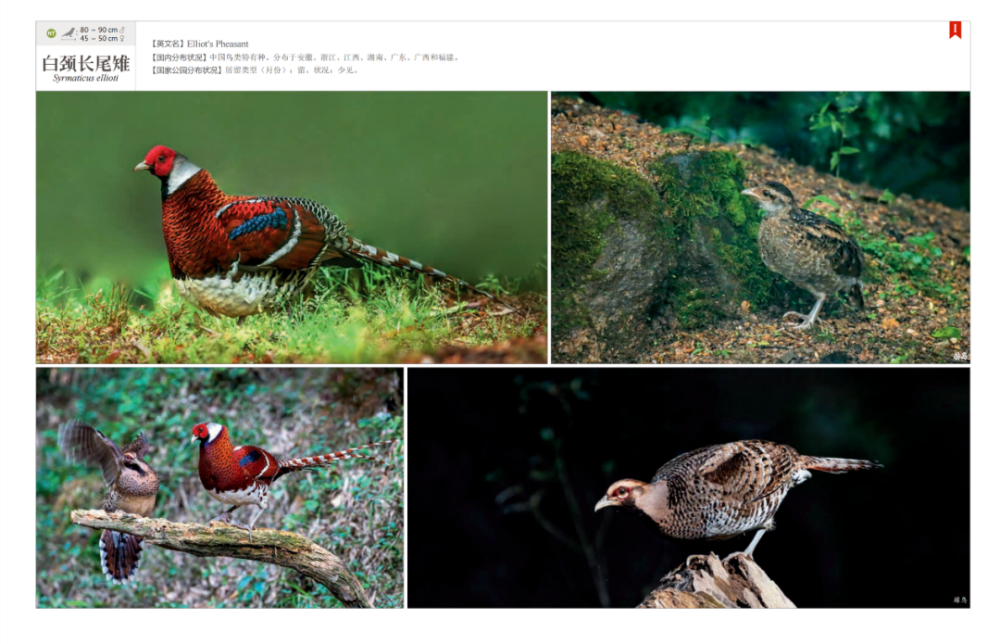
point(753, 544)
point(240, 319)
point(808, 320)
point(260, 510)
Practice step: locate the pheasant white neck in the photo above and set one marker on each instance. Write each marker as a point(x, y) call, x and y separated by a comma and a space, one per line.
point(182, 170)
point(214, 429)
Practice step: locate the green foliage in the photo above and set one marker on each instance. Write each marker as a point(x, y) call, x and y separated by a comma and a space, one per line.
point(372, 314)
point(887, 197)
point(838, 121)
point(821, 199)
point(946, 332)
point(354, 509)
point(913, 142)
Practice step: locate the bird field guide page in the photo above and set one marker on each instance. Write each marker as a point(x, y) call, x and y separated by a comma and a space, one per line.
point(459, 310)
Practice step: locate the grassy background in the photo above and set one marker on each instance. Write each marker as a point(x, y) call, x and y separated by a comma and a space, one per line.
point(354, 509)
point(457, 180)
point(381, 316)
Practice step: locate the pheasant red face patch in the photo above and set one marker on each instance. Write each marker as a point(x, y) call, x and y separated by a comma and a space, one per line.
point(160, 160)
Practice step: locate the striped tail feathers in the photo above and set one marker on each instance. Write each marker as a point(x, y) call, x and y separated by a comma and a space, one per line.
point(837, 465)
point(120, 555)
point(324, 460)
point(358, 248)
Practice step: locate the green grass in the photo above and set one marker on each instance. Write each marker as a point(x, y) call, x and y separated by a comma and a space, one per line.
point(354, 509)
point(361, 316)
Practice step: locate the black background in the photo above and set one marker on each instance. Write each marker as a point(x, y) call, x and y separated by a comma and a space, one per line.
point(483, 442)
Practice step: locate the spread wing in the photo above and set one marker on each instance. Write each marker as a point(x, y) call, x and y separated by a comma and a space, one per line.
point(831, 241)
point(139, 447)
point(81, 442)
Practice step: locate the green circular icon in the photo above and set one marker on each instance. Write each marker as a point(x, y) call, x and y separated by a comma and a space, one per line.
point(51, 33)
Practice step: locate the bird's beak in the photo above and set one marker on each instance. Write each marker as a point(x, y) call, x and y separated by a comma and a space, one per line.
point(194, 438)
point(603, 503)
point(141, 166)
point(750, 192)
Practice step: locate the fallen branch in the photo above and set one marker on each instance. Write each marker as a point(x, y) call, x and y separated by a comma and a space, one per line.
point(270, 546)
point(704, 581)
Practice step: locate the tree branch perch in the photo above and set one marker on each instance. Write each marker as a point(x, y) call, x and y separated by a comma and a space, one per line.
point(269, 546)
point(704, 581)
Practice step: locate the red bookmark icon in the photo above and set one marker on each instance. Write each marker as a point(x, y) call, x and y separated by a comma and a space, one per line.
point(954, 29)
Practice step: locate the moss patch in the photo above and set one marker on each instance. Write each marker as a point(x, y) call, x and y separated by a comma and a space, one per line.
point(588, 195)
point(716, 230)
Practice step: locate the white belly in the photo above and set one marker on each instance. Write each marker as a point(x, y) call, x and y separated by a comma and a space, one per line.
point(256, 494)
point(236, 295)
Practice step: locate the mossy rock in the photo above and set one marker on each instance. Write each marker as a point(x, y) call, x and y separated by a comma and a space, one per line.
point(608, 258)
point(634, 259)
point(715, 230)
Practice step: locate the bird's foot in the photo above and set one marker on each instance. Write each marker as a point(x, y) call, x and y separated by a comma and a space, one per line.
point(229, 521)
point(687, 562)
point(222, 518)
point(748, 555)
point(807, 320)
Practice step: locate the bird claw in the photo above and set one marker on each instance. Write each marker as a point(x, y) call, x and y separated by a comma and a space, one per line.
point(806, 321)
point(229, 521)
point(736, 554)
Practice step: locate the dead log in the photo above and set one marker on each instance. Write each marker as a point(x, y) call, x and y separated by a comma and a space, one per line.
point(704, 581)
point(219, 540)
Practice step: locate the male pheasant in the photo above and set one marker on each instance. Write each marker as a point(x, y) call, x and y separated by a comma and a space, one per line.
point(238, 256)
point(722, 491)
point(132, 486)
point(807, 249)
point(243, 475)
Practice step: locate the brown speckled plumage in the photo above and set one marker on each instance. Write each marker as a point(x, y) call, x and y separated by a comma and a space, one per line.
point(809, 250)
point(722, 491)
point(131, 487)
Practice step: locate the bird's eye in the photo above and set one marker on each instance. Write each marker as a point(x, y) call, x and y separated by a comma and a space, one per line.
point(162, 158)
point(621, 492)
point(129, 457)
point(768, 194)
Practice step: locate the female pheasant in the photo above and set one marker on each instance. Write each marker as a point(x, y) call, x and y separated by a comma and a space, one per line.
point(808, 249)
point(132, 487)
point(722, 491)
point(243, 475)
point(239, 256)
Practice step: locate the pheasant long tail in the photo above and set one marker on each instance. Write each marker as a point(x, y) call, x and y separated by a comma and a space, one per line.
point(324, 460)
point(120, 555)
point(361, 250)
point(837, 465)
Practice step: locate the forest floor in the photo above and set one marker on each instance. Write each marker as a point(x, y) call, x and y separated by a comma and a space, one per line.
point(917, 259)
point(396, 320)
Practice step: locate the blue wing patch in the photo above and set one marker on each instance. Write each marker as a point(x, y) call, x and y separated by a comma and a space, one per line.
point(276, 219)
point(252, 457)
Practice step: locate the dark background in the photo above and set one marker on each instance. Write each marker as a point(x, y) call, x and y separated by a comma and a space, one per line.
point(508, 465)
point(909, 142)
